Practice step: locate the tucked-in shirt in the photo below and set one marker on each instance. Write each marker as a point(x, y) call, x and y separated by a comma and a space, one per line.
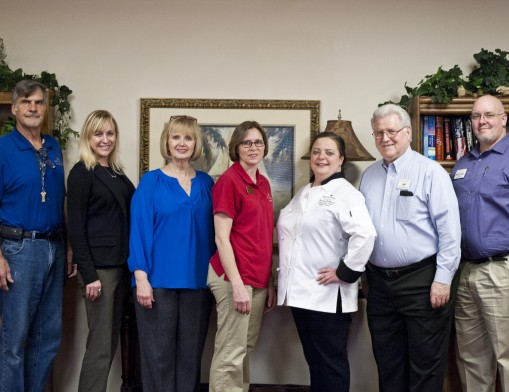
point(172, 234)
point(481, 182)
point(322, 227)
point(21, 184)
point(415, 212)
point(250, 207)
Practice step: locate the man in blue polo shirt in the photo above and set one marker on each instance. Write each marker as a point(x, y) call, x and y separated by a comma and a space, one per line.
point(481, 182)
point(32, 256)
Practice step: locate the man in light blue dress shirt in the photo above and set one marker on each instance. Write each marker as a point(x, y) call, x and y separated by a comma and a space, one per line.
point(412, 270)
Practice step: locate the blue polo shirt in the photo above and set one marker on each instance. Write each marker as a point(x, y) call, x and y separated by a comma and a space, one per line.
point(20, 185)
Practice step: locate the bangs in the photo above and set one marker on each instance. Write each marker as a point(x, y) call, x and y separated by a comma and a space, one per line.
point(184, 130)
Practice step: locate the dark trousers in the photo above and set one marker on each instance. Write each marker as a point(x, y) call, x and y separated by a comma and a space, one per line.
point(409, 337)
point(324, 337)
point(104, 317)
point(172, 335)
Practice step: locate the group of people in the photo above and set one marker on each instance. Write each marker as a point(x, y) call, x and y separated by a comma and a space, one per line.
point(433, 248)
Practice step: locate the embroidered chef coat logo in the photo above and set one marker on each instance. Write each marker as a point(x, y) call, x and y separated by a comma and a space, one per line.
point(327, 200)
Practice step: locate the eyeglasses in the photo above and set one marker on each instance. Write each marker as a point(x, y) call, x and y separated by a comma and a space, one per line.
point(487, 116)
point(390, 133)
point(249, 143)
point(43, 153)
point(183, 117)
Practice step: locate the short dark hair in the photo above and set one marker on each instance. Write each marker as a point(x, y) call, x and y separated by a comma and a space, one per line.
point(25, 88)
point(340, 142)
point(240, 133)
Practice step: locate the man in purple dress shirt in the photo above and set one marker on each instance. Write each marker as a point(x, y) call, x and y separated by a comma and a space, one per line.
point(481, 182)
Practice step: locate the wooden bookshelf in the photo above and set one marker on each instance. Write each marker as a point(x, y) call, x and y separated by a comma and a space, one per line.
point(422, 106)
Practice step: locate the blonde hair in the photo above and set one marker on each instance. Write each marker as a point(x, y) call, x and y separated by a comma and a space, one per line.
point(96, 120)
point(187, 126)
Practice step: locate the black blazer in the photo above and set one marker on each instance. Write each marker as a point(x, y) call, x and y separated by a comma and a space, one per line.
point(97, 219)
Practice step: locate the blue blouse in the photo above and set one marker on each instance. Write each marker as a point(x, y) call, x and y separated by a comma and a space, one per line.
point(172, 233)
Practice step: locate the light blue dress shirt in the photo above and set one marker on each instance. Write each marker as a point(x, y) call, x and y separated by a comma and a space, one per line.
point(415, 212)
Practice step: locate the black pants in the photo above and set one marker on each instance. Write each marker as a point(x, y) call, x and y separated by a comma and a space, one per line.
point(409, 337)
point(172, 335)
point(324, 337)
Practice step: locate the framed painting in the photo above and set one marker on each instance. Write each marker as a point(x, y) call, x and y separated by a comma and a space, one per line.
point(290, 125)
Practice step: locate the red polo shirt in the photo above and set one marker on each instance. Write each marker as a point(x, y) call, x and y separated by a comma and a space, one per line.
point(250, 206)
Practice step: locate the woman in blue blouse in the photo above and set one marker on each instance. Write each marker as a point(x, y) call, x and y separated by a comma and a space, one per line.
point(171, 242)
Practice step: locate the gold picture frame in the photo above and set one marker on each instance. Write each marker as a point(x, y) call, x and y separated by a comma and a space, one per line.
point(303, 115)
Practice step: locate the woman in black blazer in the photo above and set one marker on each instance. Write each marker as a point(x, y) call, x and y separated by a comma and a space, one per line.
point(98, 203)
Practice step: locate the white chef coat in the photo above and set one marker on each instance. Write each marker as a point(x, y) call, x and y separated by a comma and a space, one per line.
point(321, 226)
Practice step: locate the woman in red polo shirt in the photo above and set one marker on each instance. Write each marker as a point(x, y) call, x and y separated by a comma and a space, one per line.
point(239, 272)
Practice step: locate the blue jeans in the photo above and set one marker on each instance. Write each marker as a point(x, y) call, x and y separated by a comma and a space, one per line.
point(31, 313)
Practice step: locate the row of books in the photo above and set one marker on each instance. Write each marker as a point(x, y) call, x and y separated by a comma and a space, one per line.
point(446, 138)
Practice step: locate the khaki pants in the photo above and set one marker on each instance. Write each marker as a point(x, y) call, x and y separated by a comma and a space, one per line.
point(104, 317)
point(482, 325)
point(235, 338)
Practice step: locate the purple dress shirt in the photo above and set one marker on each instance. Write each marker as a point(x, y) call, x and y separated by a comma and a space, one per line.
point(481, 182)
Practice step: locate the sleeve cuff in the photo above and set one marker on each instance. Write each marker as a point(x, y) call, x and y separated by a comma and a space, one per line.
point(346, 274)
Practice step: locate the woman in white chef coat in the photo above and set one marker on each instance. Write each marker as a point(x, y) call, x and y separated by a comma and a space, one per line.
point(325, 239)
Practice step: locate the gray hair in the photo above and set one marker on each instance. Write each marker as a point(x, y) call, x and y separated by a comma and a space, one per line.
point(388, 109)
point(25, 88)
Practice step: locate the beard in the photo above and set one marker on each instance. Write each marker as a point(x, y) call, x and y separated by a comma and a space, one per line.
point(489, 136)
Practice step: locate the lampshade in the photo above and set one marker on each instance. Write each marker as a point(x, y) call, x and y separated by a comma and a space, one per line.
point(355, 151)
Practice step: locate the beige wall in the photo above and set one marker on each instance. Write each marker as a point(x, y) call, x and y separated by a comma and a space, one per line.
point(349, 55)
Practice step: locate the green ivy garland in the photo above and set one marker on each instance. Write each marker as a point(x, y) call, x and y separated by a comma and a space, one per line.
point(487, 77)
point(59, 98)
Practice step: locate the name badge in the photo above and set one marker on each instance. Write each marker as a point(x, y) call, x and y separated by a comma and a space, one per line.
point(460, 173)
point(403, 184)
